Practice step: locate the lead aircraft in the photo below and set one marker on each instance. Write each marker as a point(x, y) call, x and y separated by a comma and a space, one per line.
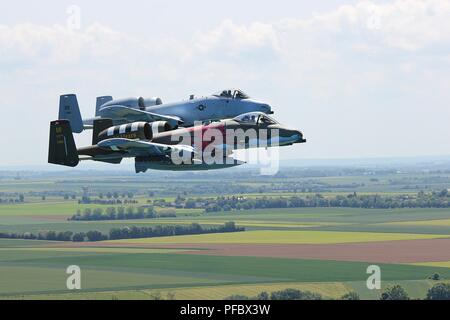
point(201, 147)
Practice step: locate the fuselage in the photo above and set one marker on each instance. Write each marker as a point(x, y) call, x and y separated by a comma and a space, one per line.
point(202, 109)
point(232, 134)
point(226, 135)
point(209, 109)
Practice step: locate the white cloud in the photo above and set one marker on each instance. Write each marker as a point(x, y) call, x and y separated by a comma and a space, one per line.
point(366, 27)
point(239, 41)
point(404, 24)
point(56, 44)
point(341, 75)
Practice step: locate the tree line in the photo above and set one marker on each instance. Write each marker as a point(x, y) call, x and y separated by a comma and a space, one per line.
point(122, 213)
point(436, 199)
point(286, 294)
point(169, 230)
point(439, 291)
point(19, 199)
point(421, 200)
point(125, 233)
point(111, 198)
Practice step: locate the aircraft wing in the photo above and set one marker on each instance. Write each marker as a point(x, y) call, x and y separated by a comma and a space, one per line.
point(139, 147)
point(115, 112)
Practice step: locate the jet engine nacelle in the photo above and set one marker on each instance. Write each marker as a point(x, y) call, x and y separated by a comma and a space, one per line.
point(135, 130)
point(135, 103)
point(149, 102)
point(161, 126)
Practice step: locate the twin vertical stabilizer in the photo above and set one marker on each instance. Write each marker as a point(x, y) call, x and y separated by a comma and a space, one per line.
point(62, 149)
point(69, 110)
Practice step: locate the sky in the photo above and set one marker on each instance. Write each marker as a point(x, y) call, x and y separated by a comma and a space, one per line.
point(361, 79)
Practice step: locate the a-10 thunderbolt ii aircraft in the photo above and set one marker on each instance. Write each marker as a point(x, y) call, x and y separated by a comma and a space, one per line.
point(165, 116)
point(201, 147)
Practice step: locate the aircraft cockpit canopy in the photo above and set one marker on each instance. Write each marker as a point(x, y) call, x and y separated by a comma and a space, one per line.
point(232, 94)
point(255, 118)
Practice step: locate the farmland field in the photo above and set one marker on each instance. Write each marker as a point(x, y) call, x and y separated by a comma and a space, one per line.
point(325, 250)
point(283, 237)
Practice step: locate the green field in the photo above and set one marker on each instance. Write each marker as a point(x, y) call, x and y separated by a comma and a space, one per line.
point(43, 271)
point(167, 268)
point(283, 237)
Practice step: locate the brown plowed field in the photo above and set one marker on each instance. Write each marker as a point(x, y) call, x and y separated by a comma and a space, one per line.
point(400, 251)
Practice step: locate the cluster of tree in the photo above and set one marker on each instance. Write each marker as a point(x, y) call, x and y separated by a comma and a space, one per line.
point(121, 213)
point(89, 200)
point(395, 292)
point(352, 295)
point(19, 199)
point(124, 233)
point(440, 291)
point(286, 294)
point(116, 195)
point(58, 236)
point(109, 198)
point(421, 200)
point(170, 230)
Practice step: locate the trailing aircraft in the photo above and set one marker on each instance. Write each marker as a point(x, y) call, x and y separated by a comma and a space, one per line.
point(166, 116)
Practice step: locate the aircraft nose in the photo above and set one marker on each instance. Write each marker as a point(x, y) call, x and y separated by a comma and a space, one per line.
point(299, 136)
